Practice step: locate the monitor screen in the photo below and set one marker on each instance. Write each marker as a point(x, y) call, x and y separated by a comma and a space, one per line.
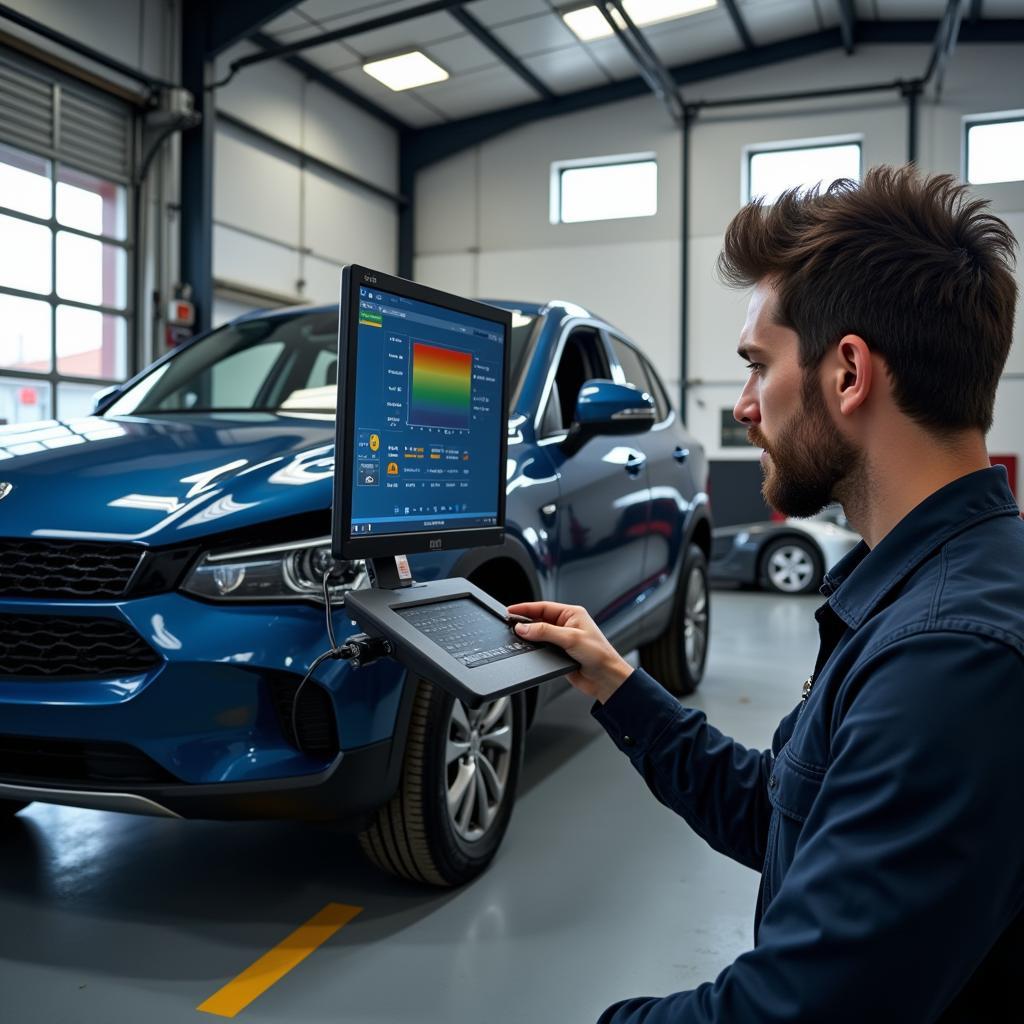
point(422, 418)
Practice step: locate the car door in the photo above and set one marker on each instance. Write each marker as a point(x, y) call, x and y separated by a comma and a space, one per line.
point(668, 470)
point(603, 507)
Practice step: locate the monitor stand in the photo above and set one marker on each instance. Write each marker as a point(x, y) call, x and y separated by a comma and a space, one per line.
point(390, 573)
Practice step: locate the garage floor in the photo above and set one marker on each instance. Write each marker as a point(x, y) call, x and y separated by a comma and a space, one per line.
point(598, 893)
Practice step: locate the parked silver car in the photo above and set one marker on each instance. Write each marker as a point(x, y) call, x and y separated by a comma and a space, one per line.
point(787, 557)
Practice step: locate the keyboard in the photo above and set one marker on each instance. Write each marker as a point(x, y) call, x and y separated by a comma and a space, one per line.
point(467, 631)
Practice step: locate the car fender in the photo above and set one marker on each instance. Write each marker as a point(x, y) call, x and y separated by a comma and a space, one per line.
point(511, 548)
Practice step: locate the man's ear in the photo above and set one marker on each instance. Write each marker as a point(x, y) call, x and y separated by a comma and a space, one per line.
point(852, 374)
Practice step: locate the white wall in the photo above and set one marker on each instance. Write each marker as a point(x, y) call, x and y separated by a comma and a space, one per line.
point(283, 229)
point(482, 216)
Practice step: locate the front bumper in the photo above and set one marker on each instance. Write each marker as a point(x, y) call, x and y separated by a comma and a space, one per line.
point(205, 733)
point(349, 789)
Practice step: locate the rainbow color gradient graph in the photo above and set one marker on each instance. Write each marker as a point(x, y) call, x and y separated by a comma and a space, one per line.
point(441, 391)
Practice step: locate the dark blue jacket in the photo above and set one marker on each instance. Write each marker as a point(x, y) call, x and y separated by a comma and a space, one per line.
point(887, 820)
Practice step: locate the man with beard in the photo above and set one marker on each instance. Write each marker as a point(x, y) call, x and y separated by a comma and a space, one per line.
point(885, 819)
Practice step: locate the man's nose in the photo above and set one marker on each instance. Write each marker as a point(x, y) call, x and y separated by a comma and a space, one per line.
point(747, 410)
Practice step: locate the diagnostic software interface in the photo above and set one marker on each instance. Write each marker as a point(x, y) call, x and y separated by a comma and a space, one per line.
point(428, 417)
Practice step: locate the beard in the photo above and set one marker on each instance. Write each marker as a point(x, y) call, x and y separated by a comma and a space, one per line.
point(810, 461)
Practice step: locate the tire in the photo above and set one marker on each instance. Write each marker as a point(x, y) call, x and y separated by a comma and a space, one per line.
point(791, 566)
point(415, 835)
point(677, 657)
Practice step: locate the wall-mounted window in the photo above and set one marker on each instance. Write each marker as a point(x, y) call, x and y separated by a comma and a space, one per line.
point(66, 158)
point(604, 188)
point(769, 169)
point(994, 147)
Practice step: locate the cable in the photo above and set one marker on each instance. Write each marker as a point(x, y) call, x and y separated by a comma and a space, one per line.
point(327, 609)
point(360, 649)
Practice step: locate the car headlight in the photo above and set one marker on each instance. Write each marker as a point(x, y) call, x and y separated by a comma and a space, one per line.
point(288, 572)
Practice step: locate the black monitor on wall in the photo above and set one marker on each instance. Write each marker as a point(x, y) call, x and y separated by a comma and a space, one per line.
point(422, 419)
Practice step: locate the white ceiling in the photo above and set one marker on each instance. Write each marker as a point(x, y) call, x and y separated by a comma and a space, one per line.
point(533, 31)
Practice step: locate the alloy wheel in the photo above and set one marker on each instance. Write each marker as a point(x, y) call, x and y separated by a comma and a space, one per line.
point(695, 620)
point(478, 756)
point(790, 568)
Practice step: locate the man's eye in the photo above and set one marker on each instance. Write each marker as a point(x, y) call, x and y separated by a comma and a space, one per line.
point(755, 367)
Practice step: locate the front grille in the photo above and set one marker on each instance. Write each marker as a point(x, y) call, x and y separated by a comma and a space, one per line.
point(30, 759)
point(38, 568)
point(42, 646)
point(315, 725)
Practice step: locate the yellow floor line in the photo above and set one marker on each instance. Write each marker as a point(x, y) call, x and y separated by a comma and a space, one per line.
point(238, 993)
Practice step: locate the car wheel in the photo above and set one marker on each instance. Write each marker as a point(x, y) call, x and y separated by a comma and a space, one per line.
point(457, 790)
point(9, 808)
point(791, 566)
point(677, 657)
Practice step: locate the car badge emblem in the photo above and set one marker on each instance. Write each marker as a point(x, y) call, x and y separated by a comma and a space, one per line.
point(5, 489)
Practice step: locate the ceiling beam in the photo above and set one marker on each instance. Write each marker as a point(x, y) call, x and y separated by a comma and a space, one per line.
point(1002, 30)
point(954, 19)
point(509, 59)
point(281, 50)
point(428, 145)
point(332, 84)
point(652, 70)
point(732, 9)
point(847, 21)
point(230, 21)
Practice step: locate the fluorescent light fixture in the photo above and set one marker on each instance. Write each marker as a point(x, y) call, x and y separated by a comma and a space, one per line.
point(406, 71)
point(589, 23)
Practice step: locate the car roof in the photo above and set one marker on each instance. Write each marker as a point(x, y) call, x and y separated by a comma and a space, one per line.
point(528, 308)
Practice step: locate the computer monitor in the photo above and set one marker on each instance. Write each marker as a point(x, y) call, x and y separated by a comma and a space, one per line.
point(422, 431)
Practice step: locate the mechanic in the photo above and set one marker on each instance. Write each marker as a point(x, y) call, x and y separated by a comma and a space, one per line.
point(886, 818)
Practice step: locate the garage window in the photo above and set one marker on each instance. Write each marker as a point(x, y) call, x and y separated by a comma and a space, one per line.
point(604, 188)
point(994, 148)
point(768, 170)
point(65, 165)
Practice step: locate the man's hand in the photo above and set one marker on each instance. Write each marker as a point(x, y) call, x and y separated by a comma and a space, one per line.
point(602, 670)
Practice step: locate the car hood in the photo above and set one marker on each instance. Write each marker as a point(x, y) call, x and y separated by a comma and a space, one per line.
point(162, 481)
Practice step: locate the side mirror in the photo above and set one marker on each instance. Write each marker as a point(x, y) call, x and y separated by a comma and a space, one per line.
point(606, 408)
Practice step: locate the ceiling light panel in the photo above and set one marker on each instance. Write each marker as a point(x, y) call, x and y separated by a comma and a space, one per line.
point(589, 23)
point(406, 71)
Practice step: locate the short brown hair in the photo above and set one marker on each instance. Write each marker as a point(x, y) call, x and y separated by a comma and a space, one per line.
point(910, 264)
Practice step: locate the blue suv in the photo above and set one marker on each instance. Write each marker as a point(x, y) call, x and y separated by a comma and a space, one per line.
point(161, 572)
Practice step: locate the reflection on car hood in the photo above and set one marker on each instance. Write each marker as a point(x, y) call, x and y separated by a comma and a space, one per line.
point(162, 481)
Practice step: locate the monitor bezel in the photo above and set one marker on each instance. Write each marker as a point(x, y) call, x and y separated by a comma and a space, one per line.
point(343, 545)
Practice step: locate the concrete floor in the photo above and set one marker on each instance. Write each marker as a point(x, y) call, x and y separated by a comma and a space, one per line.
point(597, 894)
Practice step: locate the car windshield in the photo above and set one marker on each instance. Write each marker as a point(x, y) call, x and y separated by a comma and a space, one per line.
point(282, 364)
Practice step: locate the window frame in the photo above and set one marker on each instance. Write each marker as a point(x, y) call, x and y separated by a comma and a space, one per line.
point(752, 149)
point(547, 391)
point(662, 405)
point(558, 167)
point(969, 121)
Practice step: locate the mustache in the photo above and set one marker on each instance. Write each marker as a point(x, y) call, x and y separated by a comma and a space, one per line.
point(757, 439)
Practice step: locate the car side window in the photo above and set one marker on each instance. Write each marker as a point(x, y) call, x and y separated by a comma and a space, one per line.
point(631, 363)
point(638, 372)
point(583, 358)
point(661, 399)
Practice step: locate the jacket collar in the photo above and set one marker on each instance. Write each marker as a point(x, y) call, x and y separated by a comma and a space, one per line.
point(859, 582)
